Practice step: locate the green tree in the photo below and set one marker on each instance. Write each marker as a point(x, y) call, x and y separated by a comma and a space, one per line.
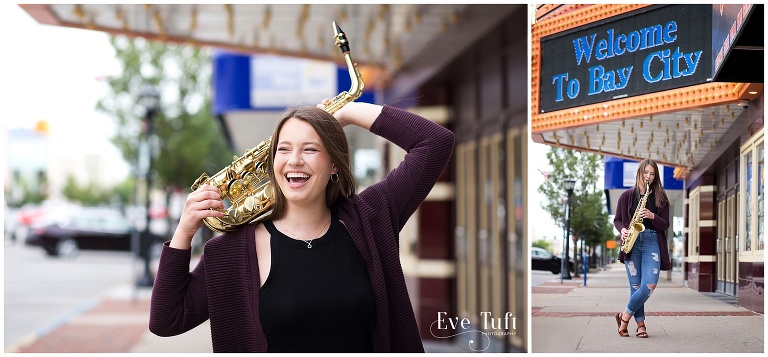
point(188, 139)
point(124, 190)
point(92, 194)
point(589, 217)
point(30, 194)
point(543, 244)
point(74, 192)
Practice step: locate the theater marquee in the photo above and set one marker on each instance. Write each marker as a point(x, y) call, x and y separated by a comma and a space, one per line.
point(649, 50)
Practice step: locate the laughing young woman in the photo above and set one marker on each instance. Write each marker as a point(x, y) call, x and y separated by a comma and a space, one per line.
point(322, 272)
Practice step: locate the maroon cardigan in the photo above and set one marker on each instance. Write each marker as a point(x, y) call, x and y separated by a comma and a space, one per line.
point(224, 286)
point(660, 220)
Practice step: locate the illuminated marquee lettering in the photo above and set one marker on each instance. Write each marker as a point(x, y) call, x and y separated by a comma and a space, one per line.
point(730, 36)
point(661, 63)
point(573, 87)
point(601, 80)
point(672, 67)
point(614, 45)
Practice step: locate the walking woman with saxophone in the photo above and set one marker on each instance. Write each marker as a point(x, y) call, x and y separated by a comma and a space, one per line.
point(322, 272)
point(642, 217)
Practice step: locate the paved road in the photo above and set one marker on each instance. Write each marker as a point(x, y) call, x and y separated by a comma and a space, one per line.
point(42, 292)
point(539, 277)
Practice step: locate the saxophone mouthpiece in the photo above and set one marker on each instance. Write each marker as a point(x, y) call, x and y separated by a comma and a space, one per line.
point(341, 38)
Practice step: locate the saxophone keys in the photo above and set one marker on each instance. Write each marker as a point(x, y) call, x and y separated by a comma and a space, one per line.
point(236, 189)
point(200, 181)
point(249, 204)
point(260, 168)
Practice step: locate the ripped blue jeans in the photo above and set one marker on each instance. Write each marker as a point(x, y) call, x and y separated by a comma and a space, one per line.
point(643, 268)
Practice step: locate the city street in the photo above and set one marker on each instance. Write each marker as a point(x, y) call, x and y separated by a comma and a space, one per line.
point(42, 292)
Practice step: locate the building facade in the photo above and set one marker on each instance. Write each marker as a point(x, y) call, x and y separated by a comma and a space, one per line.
point(473, 266)
point(681, 85)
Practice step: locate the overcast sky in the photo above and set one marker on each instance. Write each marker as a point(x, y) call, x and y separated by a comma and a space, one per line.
point(51, 73)
point(540, 223)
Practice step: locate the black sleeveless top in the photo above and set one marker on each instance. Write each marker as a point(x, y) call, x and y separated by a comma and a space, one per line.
point(317, 299)
point(650, 204)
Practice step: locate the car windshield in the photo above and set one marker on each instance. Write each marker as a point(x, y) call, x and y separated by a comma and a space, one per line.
point(541, 253)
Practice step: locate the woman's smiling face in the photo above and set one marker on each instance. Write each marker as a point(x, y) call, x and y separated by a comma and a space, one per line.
point(649, 174)
point(302, 165)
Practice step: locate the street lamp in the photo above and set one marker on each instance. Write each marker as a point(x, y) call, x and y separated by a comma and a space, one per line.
point(149, 98)
point(565, 272)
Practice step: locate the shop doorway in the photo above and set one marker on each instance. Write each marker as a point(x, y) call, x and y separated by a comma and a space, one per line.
point(727, 244)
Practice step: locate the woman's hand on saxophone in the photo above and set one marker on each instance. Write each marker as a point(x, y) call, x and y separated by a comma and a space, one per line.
point(356, 113)
point(646, 213)
point(196, 208)
point(624, 233)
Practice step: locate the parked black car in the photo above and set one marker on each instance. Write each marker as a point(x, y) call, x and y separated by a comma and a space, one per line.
point(544, 260)
point(93, 229)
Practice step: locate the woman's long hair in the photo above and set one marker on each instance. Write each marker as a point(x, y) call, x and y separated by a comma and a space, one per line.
point(655, 184)
point(335, 141)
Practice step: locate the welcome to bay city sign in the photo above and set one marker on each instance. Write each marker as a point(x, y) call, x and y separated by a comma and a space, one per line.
point(645, 51)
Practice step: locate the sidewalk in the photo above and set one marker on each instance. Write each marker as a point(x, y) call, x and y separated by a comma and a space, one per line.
point(570, 317)
point(118, 323)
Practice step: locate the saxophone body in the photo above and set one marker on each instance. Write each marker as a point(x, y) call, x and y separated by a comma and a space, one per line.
point(636, 225)
point(244, 183)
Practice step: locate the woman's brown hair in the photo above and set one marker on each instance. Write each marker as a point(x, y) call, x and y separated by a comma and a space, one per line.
point(655, 184)
point(335, 141)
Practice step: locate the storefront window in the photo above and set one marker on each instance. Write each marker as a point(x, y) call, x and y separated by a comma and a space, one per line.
point(752, 195)
point(748, 197)
point(760, 190)
point(693, 221)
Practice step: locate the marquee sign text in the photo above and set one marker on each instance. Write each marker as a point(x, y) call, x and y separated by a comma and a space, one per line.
point(655, 50)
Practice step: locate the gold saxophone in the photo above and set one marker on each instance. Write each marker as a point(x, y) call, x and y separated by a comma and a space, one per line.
point(636, 225)
point(245, 182)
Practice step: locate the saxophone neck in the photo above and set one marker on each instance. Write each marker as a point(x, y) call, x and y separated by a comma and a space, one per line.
point(357, 80)
point(356, 87)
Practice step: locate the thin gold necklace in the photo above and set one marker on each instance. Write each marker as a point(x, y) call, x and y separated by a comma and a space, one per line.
point(309, 241)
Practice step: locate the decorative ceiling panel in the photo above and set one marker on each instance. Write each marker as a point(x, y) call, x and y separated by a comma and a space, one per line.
point(381, 35)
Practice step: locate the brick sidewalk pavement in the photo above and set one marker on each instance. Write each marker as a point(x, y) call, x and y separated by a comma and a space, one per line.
point(111, 326)
point(575, 318)
point(119, 324)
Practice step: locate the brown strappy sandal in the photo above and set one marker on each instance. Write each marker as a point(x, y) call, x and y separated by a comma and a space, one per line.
point(624, 332)
point(641, 334)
